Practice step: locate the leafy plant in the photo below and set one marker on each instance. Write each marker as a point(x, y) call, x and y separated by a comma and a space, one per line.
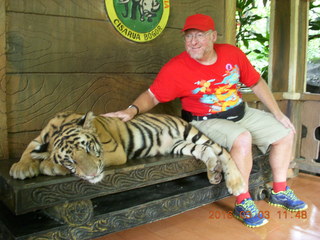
point(314, 23)
point(249, 37)
point(254, 40)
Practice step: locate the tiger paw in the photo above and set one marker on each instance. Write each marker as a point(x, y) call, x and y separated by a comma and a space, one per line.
point(47, 167)
point(214, 170)
point(235, 183)
point(22, 169)
point(214, 177)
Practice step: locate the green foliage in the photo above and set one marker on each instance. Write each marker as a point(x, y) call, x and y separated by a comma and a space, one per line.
point(314, 22)
point(253, 40)
point(314, 32)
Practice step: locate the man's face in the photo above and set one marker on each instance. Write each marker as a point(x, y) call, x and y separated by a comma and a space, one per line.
point(199, 44)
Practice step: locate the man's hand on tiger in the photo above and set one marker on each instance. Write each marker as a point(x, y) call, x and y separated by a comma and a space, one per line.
point(124, 115)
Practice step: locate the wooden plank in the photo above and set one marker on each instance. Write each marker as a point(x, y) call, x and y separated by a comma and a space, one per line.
point(310, 97)
point(34, 99)
point(309, 166)
point(3, 103)
point(251, 97)
point(94, 9)
point(80, 45)
point(296, 108)
point(73, 44)
point(310, 118)
point(283, 96)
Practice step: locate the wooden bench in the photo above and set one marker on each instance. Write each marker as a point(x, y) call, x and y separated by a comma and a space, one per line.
point(139, 192)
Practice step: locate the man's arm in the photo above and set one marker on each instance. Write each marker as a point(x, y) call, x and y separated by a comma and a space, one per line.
point(263, 92)
point(145, 102)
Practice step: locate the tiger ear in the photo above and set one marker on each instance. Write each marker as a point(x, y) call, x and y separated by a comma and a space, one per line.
point(86, 120)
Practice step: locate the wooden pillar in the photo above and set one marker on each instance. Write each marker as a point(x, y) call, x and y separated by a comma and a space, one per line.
point(288, 43)
point(230, 22)
point(303, 25)
point(3, 110)
point(287, 61)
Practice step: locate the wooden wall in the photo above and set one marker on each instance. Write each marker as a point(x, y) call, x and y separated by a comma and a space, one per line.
point(66, 55)
point(3, 118)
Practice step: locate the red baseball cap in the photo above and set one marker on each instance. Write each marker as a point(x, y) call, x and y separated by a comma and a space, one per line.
point(199, 21)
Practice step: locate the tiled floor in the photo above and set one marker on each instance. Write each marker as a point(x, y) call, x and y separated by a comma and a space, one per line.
point(212, 221)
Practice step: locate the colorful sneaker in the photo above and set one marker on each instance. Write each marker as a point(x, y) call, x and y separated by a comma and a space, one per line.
point(248, 213)
point(288, 200)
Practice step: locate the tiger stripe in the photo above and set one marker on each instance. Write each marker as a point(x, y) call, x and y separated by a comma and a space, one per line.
point(86, 144)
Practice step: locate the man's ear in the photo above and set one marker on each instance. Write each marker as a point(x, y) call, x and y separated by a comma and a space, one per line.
point(214, 36)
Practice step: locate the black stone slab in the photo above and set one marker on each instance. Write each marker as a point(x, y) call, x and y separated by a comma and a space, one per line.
point(22, 196)
point(119, 211)
point(139, 192)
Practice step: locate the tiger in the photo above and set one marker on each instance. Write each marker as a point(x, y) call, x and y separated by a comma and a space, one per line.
point(85, 145)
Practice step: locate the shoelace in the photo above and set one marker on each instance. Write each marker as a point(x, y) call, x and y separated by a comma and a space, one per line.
point(291, 195)
point(250, 207)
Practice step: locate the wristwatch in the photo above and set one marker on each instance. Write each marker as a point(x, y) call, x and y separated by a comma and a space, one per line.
point(136, 107)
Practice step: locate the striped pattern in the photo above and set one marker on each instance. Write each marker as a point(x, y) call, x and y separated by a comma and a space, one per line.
point(87, 144)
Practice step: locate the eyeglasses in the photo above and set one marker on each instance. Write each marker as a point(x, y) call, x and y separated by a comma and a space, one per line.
point(200, 36)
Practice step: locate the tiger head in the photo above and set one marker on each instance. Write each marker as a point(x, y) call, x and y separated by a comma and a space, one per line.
point(75, 146)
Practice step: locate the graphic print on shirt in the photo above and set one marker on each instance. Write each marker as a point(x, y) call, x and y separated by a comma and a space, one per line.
point(220, 95)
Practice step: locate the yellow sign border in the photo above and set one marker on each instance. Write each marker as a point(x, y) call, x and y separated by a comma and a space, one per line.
point(133, 35)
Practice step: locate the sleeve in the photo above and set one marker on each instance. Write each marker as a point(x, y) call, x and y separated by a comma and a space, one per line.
point(248, 74)
point(164, 86)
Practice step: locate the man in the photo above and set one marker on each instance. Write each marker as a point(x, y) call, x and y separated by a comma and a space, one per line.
point(206, 78)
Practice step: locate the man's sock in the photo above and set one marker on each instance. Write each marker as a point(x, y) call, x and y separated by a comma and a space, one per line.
point(242, 196)
point(279, 186)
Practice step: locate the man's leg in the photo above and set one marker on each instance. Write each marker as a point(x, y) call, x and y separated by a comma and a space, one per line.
point(241, 153)
point(245, 209)
point(280, 157)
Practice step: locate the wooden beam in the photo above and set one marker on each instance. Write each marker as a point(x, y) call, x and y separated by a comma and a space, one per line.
point(230, 22)
point(280, 44)
point(303, 25)
point(298, 45)
point(288, 41)
point(3, 103)
point(293, 49)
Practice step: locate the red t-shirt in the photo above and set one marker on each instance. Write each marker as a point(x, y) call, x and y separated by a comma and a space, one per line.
point(205, 89)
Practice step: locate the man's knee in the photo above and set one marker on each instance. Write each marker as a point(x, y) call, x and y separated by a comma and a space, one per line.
point(287, 140)
point(243, 142)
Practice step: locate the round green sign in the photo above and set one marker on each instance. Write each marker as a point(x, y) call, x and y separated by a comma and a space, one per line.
point(139, 20)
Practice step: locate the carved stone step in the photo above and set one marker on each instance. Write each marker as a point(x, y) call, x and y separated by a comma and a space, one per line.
point(45, 191)
point(136, 193)
point(120, 211)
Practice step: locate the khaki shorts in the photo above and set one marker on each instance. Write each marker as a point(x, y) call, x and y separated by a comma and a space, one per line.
point(264, 129)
